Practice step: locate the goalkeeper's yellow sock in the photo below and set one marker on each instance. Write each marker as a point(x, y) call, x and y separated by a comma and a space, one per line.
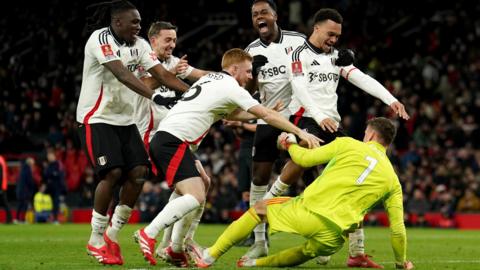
point(237, 231)
point(289, 257)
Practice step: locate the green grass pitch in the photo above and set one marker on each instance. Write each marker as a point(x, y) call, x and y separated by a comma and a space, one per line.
point(63, 247)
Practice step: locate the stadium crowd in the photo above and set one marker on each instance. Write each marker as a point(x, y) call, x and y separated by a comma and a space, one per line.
point(425, 56)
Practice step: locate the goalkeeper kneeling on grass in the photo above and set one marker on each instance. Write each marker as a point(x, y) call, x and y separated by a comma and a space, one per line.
point(357, 176)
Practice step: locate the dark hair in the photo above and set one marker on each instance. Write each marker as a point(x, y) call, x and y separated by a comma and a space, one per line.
point(104, 12)
point(384, 127)
point(269, 2)
point(157, 26)
point(327, 14)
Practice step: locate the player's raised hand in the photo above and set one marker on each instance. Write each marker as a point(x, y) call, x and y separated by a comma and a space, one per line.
point(329, 124)
point(181, 66)
point(406, 265)
point(399, 110)
point(311, 140)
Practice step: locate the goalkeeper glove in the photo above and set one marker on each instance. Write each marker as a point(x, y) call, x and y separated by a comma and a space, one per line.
point(345, 58)
point(258, 62)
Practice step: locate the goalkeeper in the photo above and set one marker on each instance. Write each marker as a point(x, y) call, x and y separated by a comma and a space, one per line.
point(358, 175)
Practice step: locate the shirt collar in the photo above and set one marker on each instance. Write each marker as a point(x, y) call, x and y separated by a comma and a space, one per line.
point(314, 48)
point(116, 38)
point(378, 146)
point(277, 40)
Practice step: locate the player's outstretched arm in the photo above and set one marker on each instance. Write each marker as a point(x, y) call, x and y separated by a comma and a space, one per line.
point(275, 119)
point(128, 79)
point(166, 78)
point(374, 88)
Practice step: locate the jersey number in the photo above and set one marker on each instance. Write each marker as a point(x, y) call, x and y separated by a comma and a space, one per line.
point(371, 164)
point(197, 89)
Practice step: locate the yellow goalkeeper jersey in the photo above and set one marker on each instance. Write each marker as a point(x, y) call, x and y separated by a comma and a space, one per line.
point(358, 176)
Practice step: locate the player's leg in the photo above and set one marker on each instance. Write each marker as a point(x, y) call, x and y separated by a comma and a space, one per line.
point(186, 226)
point(103, 148)
point(356, 251)
point(291, 172)
point(167, 234)
point(197, 214)
point(323, 237)
point(177, 163)
point(264, 153)
point(235, 232)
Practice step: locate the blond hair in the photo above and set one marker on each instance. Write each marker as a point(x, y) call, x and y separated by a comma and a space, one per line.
point(234, 56)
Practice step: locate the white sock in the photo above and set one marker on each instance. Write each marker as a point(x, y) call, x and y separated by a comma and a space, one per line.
point(120, 216)
point(356, 243)
point(180, 229)
point(171, 213)
point(257, 193)
point(197, 217)
point(99, 224)
point(207, 258)
point(277, 189)
point(167, 233)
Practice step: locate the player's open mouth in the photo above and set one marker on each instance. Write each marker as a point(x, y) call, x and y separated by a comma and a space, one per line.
point(262, 27)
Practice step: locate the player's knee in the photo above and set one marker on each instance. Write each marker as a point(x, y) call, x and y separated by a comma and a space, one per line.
point(199, 196)
point(113, 175)
point(260, 208)
point(260, 179)
point(261, 174)
point(138, 175)
point(313, 248)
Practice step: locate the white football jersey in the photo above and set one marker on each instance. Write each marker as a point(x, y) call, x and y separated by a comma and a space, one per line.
point(274, 78)
point(103, 98)
point(314, 79)
point(315, 71)
point(147, 114)
point(211, 98)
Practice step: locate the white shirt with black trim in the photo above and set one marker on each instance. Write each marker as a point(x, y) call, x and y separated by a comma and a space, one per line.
point(147, 114)
point(274, 78)
point(314, 79)
point(103, 98)
point(211, 98)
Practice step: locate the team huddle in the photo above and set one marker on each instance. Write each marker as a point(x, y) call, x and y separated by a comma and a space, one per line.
point(138, 120)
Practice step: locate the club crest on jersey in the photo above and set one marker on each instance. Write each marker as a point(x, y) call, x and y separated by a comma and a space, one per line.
point(288, 50)
point(297, 68)
point(107, 51)
point(102, 160)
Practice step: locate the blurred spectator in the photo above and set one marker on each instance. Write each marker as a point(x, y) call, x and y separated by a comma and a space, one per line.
point(88, 188)
point(416, 208)
point(54, 177)
point(42, 205)
point(3, 189)
point(25, 189)
point(469, 202)
point(148, 203)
